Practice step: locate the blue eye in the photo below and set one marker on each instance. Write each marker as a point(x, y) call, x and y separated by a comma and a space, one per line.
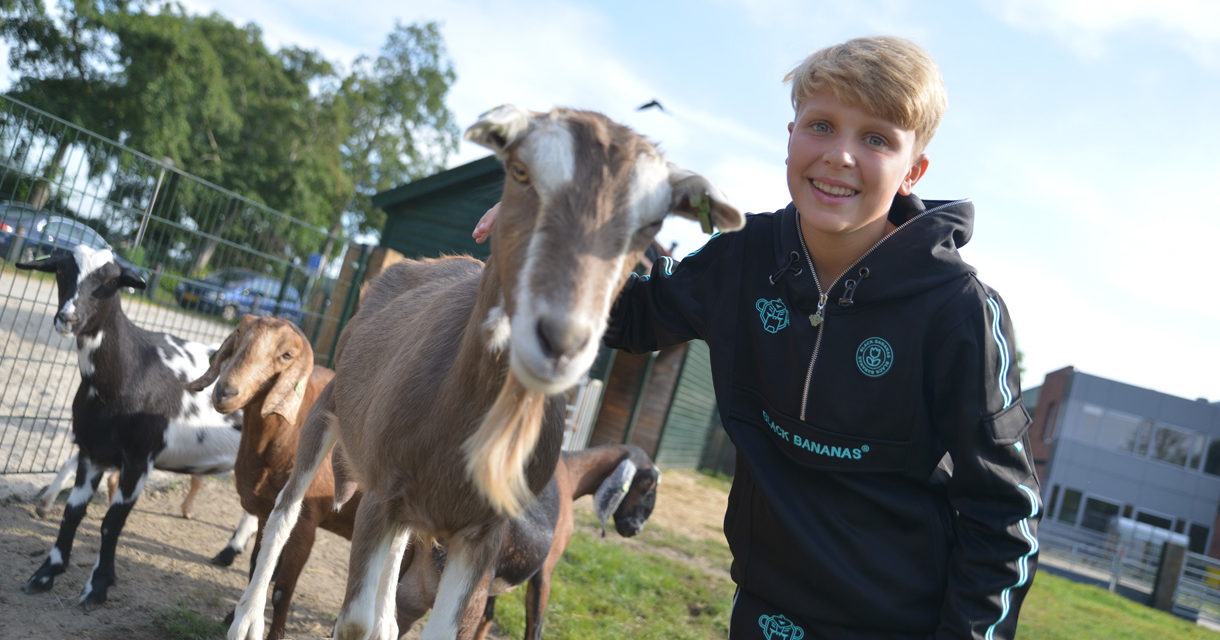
point(875, 141)
point(820, 127)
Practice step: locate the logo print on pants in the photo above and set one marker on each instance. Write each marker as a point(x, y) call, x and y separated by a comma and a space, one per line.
point(874, 357)
point(778, 627)
point(773, 313)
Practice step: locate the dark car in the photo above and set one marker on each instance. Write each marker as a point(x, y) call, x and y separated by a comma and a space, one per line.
point(232, 292)
point(26, 233)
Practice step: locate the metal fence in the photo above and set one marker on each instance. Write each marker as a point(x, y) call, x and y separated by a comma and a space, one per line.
point(1132, 567)
point(207, 254)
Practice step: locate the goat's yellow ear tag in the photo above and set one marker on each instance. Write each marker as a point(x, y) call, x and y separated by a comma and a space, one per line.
point(703, 208)
point(300, 388)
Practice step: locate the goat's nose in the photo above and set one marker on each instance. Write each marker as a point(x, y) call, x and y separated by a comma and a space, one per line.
point(67, 317)
point(559, 339)
point(220, 393)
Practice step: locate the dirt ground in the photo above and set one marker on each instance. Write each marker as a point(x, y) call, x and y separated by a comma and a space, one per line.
point(162, 560)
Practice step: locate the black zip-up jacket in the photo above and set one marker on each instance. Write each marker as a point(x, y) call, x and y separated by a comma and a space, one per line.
point(884, 483)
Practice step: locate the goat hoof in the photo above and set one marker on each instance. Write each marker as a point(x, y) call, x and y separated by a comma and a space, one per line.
point(225, 558)
point(39, 584)
point(95, 598)
point(189, 515)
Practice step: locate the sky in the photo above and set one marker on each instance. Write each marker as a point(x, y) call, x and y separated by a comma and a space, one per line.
point(1086, 132)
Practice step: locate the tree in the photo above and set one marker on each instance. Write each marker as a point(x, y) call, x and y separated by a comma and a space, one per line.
point(282, 129)
point(399, 126)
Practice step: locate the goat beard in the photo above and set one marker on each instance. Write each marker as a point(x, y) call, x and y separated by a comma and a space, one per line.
point(498, 451)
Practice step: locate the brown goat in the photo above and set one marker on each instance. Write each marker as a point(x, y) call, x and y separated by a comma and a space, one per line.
point(265, 367)
point(623, 481)
point(446, 391)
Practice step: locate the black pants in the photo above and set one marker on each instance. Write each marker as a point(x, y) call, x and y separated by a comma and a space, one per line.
point(755, 619)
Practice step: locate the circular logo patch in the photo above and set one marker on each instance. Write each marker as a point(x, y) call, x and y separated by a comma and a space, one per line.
point(874, 357)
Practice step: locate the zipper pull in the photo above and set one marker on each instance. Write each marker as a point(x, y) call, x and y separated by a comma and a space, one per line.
point(816, 318)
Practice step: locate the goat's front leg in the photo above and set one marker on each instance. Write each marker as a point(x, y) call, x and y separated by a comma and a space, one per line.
point(88, 477)
point(378, 543)
point(317, 439)
point(132, 475)
point(246, 527)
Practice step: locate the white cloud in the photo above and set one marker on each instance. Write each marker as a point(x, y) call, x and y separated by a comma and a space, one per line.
point(1090, 27)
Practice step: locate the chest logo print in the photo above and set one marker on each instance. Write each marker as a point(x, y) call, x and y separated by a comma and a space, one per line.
point(773, 313)
point(779, 627)
point(874, 357)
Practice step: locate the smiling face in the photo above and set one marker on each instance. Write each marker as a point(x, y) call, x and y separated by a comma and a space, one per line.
point(845, 167)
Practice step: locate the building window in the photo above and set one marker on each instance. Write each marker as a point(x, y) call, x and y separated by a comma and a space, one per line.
point(1211, 462)
point(1177, 446)
point(1054, 499)
point(1088, 426)
point(1097, 514)
point(1048, 424)
point(1071, 505)
point(1154, 520)
point(1126, 433)
point(1198, 538)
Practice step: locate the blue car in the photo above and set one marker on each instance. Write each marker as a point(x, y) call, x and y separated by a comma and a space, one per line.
point(230, 293)
point(27, 233)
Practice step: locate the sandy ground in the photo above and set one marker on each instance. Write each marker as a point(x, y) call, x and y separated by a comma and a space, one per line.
point(162, 561)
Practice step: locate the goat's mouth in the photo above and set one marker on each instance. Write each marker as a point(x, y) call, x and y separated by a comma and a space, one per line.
point(65, 329)
point(546, 363)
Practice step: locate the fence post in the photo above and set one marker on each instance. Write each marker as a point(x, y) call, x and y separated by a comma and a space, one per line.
point(1168, 574)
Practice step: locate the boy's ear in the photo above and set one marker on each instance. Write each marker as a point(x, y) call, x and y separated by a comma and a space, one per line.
point(917, 170)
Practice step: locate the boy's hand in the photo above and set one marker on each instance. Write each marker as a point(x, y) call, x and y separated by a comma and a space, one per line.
point(482, 230)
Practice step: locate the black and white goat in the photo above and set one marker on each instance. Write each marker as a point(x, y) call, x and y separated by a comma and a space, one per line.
point(130, 411)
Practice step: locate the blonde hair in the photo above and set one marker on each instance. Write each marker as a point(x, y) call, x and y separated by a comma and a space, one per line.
point(888, 77)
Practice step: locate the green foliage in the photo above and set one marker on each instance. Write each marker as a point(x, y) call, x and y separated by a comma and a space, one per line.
point(182, 623)
point(283, 129)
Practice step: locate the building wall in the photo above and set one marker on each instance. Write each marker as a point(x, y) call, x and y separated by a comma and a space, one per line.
point(1117, 449)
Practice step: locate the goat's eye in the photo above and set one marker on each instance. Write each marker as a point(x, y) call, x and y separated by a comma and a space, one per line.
point(518, 172)
point(287, 355)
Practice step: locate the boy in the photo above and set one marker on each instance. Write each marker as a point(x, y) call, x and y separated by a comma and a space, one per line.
point(868, 379)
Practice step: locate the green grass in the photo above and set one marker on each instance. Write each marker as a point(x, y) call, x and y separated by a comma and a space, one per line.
point(183, 624)
point(610, 591)
point(1059, 608)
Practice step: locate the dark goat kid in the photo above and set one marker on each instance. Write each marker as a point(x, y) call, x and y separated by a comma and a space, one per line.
point(623, 482)
point(130, 411)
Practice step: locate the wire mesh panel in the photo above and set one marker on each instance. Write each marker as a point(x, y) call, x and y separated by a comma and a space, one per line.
point(207, 256)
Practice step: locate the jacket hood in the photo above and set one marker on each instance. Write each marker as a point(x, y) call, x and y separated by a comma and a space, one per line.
point(920, 254)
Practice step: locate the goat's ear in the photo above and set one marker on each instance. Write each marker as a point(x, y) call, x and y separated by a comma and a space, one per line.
point(613, 489)
point(286, 394)
point(217, 359)
point(49, 264)
point(695, 197)
point(499, 128)
point(130, 278)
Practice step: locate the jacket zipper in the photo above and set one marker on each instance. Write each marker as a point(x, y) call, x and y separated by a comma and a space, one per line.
point(818, 317)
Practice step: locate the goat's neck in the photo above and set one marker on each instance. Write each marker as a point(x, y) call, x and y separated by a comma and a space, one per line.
point(590, 467)
point(109, 348)
point(477, 363)
point(269, 438)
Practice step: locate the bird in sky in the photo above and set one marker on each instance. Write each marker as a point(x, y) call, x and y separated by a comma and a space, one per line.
point(651, 104)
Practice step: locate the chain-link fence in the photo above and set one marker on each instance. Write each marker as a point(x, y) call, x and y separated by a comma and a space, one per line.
point(207, 255)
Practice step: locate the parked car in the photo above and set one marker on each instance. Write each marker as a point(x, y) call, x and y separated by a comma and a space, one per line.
point(26, 233)
point(232, 292)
